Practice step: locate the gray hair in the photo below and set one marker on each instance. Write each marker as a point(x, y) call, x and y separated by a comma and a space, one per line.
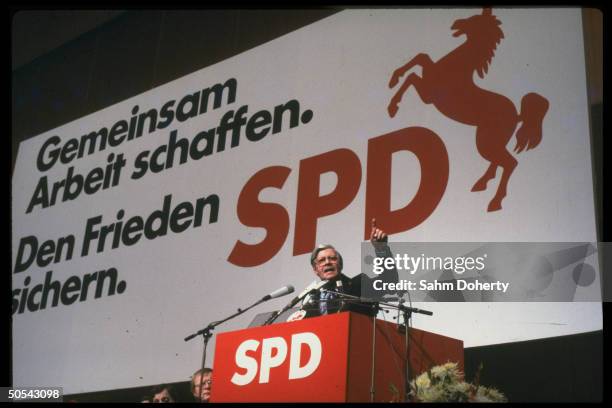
point(323, 247)
point(202, 371)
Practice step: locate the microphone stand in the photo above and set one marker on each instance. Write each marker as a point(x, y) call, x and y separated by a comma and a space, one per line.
point(407, 314)
point(369, 300)
point(294, 302)
point(375, 312)
point(207, 331)
point(273, 317)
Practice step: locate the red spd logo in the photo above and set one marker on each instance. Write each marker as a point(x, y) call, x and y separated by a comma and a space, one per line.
point(449, 85)
point(274, 352)
point(283, 362)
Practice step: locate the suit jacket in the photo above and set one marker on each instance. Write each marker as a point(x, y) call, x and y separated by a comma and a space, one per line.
point(358, 286)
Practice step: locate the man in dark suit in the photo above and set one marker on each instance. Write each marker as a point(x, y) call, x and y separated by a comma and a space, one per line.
point(327, 264)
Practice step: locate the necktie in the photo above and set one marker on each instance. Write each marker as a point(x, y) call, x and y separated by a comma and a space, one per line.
point(323, 301)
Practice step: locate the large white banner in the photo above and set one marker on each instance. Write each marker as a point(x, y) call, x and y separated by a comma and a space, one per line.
point(141, 223)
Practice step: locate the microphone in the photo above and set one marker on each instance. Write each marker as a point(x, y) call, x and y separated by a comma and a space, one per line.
point(339, 287)
point(285, 290)
point(310, 288)
point(425, 312)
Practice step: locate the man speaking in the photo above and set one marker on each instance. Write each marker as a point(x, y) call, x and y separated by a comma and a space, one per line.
point(327, 264)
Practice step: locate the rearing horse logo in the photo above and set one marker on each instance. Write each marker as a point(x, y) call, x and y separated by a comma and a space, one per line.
point(449, 85)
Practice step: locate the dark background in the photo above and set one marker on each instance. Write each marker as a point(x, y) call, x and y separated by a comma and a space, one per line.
point(66, 64)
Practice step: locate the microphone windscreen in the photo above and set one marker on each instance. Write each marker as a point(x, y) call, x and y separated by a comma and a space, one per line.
point(285, 290)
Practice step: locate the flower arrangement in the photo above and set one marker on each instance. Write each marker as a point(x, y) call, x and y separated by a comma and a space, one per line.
point(444, 383)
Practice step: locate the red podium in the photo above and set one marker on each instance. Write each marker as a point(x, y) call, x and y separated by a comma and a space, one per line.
point(324, 359)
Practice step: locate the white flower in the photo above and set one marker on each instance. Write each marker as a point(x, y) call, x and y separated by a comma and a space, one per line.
point(423, 381)
point(444, 383)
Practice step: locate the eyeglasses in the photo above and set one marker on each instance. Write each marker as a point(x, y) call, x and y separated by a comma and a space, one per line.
point(322, 261)
point(162, 400)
